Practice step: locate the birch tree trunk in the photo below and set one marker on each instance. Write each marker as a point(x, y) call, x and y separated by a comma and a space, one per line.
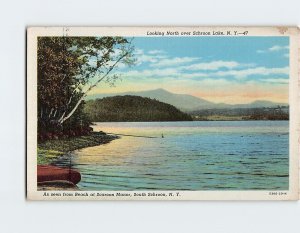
point(63, 117)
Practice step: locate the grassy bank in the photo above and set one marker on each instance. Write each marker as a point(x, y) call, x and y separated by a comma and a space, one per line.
point(49, 150)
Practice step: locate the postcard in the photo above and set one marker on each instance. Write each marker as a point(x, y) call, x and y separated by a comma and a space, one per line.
point(163, 113)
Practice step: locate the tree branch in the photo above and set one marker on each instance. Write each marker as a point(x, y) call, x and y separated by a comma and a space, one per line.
point(63, 119)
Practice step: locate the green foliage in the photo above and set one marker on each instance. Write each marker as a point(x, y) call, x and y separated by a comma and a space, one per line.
point(68, 68)
point(47, 156)
point(49, 150)
point(132, 108)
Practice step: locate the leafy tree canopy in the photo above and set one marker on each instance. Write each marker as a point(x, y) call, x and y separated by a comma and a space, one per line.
point(69, 67)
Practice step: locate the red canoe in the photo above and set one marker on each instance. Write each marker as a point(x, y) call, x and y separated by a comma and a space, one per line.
point(47, 173)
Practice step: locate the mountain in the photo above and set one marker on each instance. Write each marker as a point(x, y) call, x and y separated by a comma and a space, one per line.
point(188, 103)
point(132, 108)
point(182, 101)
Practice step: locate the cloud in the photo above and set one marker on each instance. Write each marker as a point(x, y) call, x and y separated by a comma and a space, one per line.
point(174, 61)
point(138, 51)
point(276, 80)
point(214, 65)
point(274, 48)
point(145, 58)
point(156, 51)
point(278, 48)
point(179, 73)
point(158, 58)
point(152, 73)
point(160, 65)
point(152, 57)
point(254, 71)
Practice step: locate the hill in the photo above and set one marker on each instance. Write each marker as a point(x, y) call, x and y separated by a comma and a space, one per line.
point(181, 101)
point(131, 109)
point(189, 103)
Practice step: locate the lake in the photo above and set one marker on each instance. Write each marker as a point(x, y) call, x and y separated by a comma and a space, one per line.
point(196, 155)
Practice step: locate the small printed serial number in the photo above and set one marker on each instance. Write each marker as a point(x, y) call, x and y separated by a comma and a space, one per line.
point(278, 193)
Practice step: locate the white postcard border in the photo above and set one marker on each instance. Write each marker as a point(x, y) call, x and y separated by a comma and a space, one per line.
point(33, 194)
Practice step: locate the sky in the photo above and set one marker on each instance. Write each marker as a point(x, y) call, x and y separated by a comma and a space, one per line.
point(219, 69)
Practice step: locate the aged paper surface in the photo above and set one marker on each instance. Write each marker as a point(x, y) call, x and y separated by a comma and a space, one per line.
point(162, 113)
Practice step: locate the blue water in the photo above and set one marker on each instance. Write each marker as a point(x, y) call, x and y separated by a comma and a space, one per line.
point(203, 155)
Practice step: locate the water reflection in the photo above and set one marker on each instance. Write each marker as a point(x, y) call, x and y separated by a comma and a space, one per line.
point(191, 156)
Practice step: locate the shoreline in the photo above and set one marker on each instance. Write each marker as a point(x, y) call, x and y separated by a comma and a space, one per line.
point(50, 150)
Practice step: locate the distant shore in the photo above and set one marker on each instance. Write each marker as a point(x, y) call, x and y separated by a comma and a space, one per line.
point(236, 118)
point(48, 151)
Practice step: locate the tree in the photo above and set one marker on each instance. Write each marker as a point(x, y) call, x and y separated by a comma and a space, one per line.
point(69, 68)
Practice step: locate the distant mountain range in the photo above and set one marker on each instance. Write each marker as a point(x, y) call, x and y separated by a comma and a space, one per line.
point(188, 103)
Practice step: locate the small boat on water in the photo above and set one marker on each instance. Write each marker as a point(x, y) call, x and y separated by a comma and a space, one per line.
point(47, 174)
